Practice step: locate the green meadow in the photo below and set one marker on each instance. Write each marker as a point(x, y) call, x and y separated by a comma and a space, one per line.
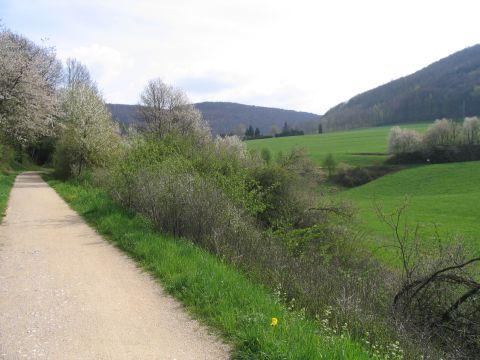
point(442, 199)
point(355, 147)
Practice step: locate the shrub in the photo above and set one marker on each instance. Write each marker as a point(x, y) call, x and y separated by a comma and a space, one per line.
point(7, 157)
point(444, 141)
point(403, 141)
point(439, 291)
point(231, 145)
point(356, 176)
point(266, 155)
point(330, 164)
point(471, 131)
point(443, 132)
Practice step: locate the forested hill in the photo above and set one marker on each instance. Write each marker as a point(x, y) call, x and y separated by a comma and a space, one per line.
point(449, 88)
point(226, 117)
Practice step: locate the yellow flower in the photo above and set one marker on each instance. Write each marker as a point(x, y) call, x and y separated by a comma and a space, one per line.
point(274, 321)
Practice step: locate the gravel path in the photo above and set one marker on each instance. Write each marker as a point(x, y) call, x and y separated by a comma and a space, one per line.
point(65, 293)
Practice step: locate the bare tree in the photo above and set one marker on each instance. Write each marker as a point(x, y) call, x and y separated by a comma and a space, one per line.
point(78, 74)
point(166, 109)
point(29, 78)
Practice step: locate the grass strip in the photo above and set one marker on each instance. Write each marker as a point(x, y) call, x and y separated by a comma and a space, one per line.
point(212, 290)
point(6, 183)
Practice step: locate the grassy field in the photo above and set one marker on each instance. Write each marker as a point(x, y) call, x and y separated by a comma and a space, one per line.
point(349, 147)
point(446, 196)
point(443, 197)
point(210, 289)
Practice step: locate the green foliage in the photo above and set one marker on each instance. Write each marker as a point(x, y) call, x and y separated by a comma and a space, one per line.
point(7, 157)
point(225, 170)
point(266, 155)
point(285, 186)
point(330, 164)
point(6, 183)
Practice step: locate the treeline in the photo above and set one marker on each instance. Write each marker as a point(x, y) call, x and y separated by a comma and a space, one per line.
point(448, 88)
point(251, 134)
point(444, 141)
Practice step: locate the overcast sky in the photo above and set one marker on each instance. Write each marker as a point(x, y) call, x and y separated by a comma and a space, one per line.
point(299, 54)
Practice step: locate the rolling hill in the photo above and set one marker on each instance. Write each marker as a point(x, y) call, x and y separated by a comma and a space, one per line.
point(449, 88)
point(226, 117)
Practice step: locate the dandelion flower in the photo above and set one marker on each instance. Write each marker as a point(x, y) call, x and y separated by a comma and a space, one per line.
point(274, 321)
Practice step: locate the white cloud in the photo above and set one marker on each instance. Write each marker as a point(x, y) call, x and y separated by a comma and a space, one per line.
point(303, 54)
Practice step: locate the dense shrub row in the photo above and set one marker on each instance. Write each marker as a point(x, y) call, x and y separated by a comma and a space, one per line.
point(444, 141)
point(356, 176)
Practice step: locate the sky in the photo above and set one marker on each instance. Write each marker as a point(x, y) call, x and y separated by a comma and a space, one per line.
point(303, 55)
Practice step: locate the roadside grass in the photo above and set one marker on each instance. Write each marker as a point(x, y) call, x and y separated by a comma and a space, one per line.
point(6, 183)
point(441, 198)
point(354, 147)
point(212, 290)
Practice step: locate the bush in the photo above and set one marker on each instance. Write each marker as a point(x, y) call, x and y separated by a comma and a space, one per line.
point(356, 176)
point(402, 141)
point(443, 132)
point(7, 157)
point(444, 141)
point(471, 131)
point(330, 164)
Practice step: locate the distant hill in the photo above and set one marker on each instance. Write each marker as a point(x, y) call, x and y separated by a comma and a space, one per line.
point(449, 88)
point(226, 117)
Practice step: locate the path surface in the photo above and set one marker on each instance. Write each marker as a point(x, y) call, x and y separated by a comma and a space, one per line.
point(67, 294)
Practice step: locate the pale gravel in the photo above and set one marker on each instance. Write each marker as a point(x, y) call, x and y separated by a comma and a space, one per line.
point(65, 293)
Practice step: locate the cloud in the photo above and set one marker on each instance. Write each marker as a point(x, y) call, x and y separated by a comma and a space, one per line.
point(303, 54)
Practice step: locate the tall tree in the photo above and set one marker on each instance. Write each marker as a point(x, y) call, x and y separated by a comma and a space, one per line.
point(165, 109)
point(77, 74)
point(88, 137)
point(250, 133)
point(30, 76)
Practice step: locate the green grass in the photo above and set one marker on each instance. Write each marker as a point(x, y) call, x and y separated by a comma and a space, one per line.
point(446, 196)
point(212, 290)
point(6, 183)
point(348, 147)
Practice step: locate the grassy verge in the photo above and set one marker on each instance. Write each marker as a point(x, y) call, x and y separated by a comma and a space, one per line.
point(6, 183)
point(212, 290)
